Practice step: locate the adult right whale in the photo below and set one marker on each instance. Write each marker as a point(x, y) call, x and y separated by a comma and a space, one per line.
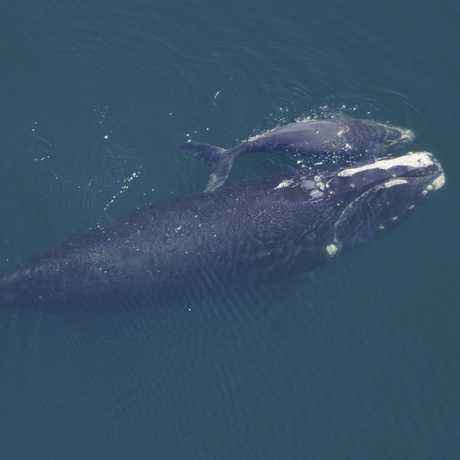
point(193, 246)
point(334, 142)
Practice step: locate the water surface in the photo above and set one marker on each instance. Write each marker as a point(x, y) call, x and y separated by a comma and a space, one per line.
point(358, 361)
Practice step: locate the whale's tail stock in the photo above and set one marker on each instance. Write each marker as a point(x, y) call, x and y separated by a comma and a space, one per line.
point(219, 159)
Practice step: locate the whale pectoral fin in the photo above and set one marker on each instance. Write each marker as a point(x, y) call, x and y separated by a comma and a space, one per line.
point(220, 160)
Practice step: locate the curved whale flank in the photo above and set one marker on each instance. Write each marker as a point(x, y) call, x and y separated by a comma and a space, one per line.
point(340, 141)
point(192, 245)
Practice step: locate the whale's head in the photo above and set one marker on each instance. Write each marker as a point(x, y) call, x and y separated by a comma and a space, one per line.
point(377, 137)
point(376, 196)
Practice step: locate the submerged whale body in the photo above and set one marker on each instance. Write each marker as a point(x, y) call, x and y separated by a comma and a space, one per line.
point(255, 232)
point(336, 142)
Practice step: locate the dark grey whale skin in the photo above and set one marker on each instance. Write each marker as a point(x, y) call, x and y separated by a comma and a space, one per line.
point(188, 247)
point(193, 243)
point(329, 144)
point(322, 137)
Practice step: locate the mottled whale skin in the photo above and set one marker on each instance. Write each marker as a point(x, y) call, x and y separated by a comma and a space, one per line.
point(334, 142)
point(190, 246)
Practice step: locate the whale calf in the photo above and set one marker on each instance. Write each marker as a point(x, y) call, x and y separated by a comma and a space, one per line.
point(243, 234)
point(338, 141)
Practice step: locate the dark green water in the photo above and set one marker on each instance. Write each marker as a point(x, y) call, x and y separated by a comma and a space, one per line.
point(360, 361)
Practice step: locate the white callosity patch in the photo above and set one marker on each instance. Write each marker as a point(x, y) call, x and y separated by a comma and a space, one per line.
point(314, 187)
point(316, 194)
point(307, 184)
point(284, 183)
point(332, 249)
point(436, 184)
point(394, 182)
point(319, 183)
point(412, 160)
point(439, 182)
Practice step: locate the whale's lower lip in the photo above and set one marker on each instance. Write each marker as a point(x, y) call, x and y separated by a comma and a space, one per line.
point(437, 183)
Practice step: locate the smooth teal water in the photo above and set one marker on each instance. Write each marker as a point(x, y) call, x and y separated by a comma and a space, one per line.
point(359, 361)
